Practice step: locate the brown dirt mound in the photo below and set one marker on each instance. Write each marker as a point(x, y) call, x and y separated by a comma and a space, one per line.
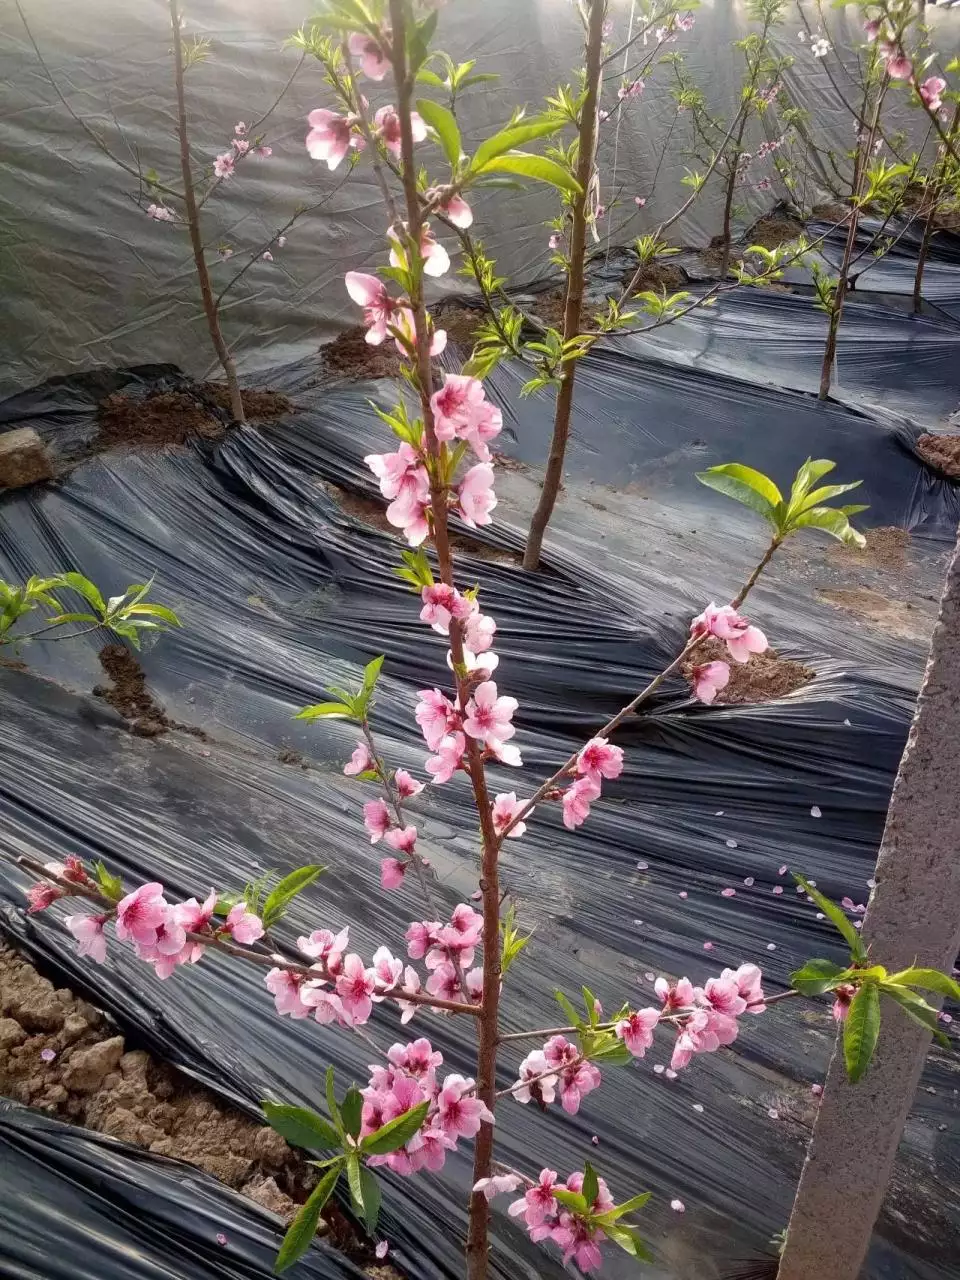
point(942, 452)
point(94, 1081)
point(460, 322)
point(164, 418)
point(774, 230)
point(350, 355)
point(656, 276)
point(897, 617)
point(886, 549)
point(764, 678)
point(128, 693)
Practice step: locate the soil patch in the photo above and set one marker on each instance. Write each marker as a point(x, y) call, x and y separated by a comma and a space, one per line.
point(92, 1079)
point(459, 321)
point(942, 453)
point(774, 230)
point(656, 276)
point(128, 693)
point(350, 355)
point(898, 617)
point(548, 307)
point(287, 755)
point(162, 419)
point(886, 549)
point(764, 678)
point(833, 212)
point(368, 511)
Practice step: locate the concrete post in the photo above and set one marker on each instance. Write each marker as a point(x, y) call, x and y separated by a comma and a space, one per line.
point(913, 917)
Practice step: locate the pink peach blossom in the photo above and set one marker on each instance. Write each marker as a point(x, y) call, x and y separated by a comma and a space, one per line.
point(331, 136)
point(379, 309)
point(576, 800)
point(538, 1202)
point(489, 717)
point(244, 925)
point(454, 403)
point(90, 938)
point(599, 759)
point(459, 1114)
point(140, 914)
point(899, 66)
point(374, 61)
point(436, 260)
point(636, 1030)
point(285, 987)
point(436, 715)
point(326, 947)
point(505, 808)
point(360, 761)
point(402, 839)
point(930, 92)
point(406, 784)
point(708, 679)
point(224, 165)
point(376, 818)
point(355, 986)
point(454, 207)
point(475, 495)
point(386, 124)
point(446, 762)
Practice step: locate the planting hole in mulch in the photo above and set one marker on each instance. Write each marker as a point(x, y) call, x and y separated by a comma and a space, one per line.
point(886, 549)
point(774, 230)
point(164, 418)
point(61, 1055)
point(349, 355)
point(764, 678)
point(942, 453)
point(656, 276)
point(460, 322)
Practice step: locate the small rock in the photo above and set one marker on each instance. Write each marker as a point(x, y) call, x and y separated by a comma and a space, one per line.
point(124, 1125)
point(23, 458)
point(11, 1033)
point(133, 1065)
point(43, 1013)
point(56, 1095)
point(64, 996)
point(88, 1068)
point(162, 1147)
point(270, 1149)
point(266, 1193)
point(73, 1028)
point(229, 1168)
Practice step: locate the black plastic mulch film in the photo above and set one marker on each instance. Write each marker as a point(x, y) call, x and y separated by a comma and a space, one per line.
point(281, 593)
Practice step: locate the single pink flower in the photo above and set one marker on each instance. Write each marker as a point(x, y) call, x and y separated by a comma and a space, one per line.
point(355, 986)
point(386, 124)
point(636, 1030)
point(224, 165)
point(405, 325)
point(678, 1206)
point(842, 999)
point(244, 925)
point(241, 146)
point(392, 873)
point(478, 632)
point(454, 207)
point(360, 761)
point(459, 1114)
point(444, 982)
point(726, 624)
point(436, 260)
point(576, 800)
point(331, 136)
point(539, 1080)
point(396, 472)
point(374, 62)
point(196, 916)
point(403, 839)
point(871, 29)
point(446, 762)
point(240, 128)
point(538, 1202)
point(264, 153)
point(42, 895)
point(489, 717)
point(140, 914)
point(599, 759)
point(436, 715)
point(387, 970)
point(90, 938)
point(285, 987)
point(326, 947)
point(930, 92)
point(498, 1185)
point(475, 495)
point(376, 818)
point(899, 67)
point(576, 1083)
point(379, 309)
point(406, 784)
point(749, 984)
point(420, 935)
point(441, 604)
point(723, 994)
point(708, 679)
point(505, 808)
point(484, 424)
point(454, 403)
point(160, 213)
point(680, 996)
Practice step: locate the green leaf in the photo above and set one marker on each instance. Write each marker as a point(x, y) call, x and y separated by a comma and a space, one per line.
point(325, 709)
point(815, 977)
point(426, 76)
point(351, 1111)
point(111, 886)
point(72, 617)
point(392, 1135)
point(84, 587)
point(509, 138)
point(155, 611)
point(300, 1126)
point(743, 484)
point(537, 167)
point(591, 1186)
point(807, 475)
point(304, 1226)
point(572, 1200)
point(353, 1179)
point(860, 1031)
point(480, 77)
point(917, 1008)
point(284, 893)
point(629, 1240)
point(927, 980)
point(572, 1016)
point(835, 914)
point(632, 1205)
point(825, 493)
point(444, 123)
point(369, 1198)
point(371, 673)
point(831, 521)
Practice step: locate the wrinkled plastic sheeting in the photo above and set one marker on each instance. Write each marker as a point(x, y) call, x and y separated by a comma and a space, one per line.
point(91, 280)
point(282, 593)
point(80, 1206)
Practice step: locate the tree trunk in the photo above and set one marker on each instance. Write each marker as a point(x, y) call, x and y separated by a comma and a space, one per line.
point(193, 225)
point(573, 305)
point(733, 160)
